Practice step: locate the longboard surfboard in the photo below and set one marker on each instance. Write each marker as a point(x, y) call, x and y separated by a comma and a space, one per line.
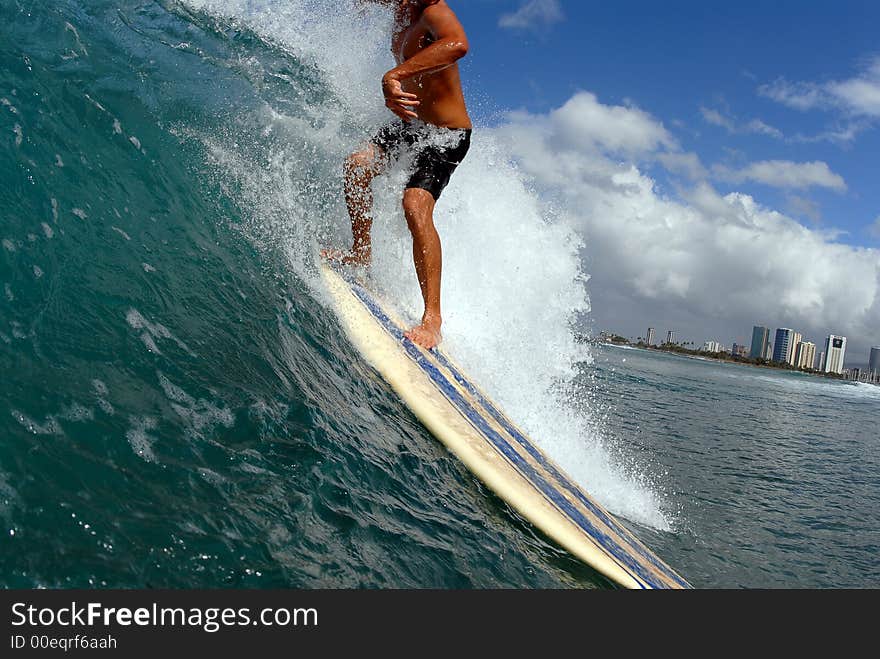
point(477, 432)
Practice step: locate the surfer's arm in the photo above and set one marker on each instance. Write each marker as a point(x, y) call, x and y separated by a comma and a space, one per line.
point(450, 45)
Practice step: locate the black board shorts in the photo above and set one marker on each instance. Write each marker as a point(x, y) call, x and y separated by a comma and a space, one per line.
point(436, 151)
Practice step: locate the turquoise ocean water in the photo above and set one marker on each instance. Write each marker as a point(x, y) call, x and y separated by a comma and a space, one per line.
point(178, 407)
point(776, 473)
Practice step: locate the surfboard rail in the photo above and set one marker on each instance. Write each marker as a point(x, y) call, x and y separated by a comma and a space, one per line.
point(478, 433)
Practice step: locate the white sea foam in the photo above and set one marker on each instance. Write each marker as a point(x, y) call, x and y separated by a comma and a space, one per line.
point(512, 277)
point(139, 438)
point(49, 427)
point(121, 232)
point(79, 44)
point(865, 390)
point(77, 412)
point(152, 332)
point(821, 386)
point(199, 415)
point(102, 392)
point(211, 477)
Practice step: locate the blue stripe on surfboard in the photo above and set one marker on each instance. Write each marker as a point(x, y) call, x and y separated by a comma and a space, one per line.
point(478, 421)
point(607, 542)
point(575, 491)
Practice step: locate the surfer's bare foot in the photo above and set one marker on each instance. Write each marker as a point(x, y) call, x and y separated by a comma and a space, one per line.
point(427, 333)
point(347, 257)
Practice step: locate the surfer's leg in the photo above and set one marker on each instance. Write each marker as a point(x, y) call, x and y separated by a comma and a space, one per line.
point(418, 206)
point(360, 169)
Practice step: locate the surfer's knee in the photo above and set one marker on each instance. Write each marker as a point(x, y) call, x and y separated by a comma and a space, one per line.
point(418, 208)
point(361, 164)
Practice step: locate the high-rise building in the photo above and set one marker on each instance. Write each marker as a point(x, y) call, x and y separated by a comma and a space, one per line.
point(792, 351)
point(835, 353)
point(739, 350)
point(782, 346)
point(822, 361)
point(806, 355)
point(670, 336)
point(650, 338)
point(874, 361)
point(712, 346)
point(760, 340)
point(768, 351)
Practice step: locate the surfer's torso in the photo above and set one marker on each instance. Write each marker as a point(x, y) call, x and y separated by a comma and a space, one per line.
point(440, 93)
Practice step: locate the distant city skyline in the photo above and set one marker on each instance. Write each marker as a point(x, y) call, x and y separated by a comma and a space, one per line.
point(799, 352)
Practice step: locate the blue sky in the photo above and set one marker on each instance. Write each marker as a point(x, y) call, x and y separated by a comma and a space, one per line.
point(715, 75)
point(719, 159)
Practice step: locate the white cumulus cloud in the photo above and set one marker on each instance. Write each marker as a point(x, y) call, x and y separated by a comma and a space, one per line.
point(798, 95)
point(755, 126)
point(858, 96)
point(705, 264)
point(585, 124)
point(533, 14)
point(761, 128)
point(715, 118)
point(687, 164)
point(785, 174)
point(841, 134)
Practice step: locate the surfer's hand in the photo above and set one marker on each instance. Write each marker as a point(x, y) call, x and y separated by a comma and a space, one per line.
point(397, 100)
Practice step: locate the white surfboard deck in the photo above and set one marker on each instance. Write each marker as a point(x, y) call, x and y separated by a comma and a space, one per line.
point(473, 428)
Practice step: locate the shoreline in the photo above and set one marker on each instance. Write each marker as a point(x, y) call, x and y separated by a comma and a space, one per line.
point(720, 360)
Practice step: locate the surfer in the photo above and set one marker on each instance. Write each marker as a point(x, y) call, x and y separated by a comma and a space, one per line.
point(424, 92)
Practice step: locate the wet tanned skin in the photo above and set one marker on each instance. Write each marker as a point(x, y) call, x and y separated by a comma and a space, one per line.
point(427, 42)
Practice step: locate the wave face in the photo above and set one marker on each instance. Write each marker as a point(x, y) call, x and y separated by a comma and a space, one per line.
point(179, 406)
